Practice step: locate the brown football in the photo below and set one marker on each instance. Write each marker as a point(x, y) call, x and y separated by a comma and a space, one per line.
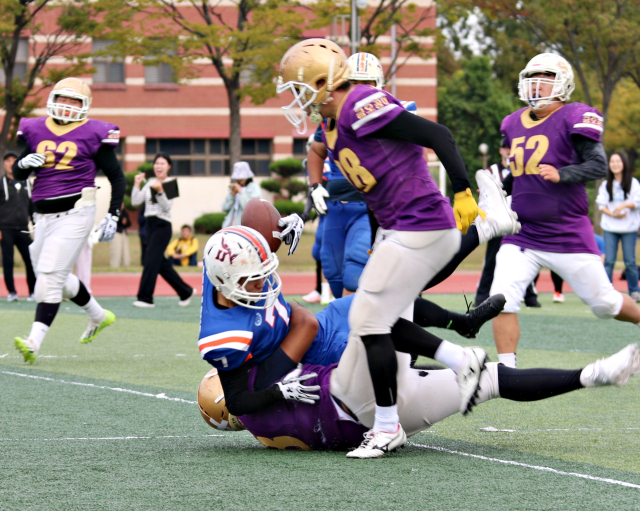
point(259, 214)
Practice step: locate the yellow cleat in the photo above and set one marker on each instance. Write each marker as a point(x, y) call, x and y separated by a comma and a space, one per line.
point(26, 350)
point(93, 330)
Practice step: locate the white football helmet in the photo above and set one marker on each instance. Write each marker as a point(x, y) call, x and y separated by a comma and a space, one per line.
point(236, 256)
point(69, 88)
point(563, 82)
point(365, 67)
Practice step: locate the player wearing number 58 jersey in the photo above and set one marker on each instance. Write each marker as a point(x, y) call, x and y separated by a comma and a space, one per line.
point(555, 149)
point(65, 150)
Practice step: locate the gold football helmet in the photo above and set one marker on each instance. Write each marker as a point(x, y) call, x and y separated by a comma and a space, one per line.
point(70, 88)
point(311, 70)
point(212, 404)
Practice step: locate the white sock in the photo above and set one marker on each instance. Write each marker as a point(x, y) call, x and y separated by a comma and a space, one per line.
point(450, 355)
point(325, 296)
point(38, 332)
point(94, 311)
point(508, 359)
point(387, 419)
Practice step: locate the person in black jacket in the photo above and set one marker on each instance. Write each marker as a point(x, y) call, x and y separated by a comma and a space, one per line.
point(15, 210)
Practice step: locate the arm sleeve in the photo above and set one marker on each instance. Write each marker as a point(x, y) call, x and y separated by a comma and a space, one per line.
point(192, 248)
point(239, 399)
point(251, 191)
point(594, 162)
point(171, 249)
point(507, 184)
point(137, 196)
point(106, 161)
point(18, 173)
point(603, 196)
point(634, 193)
point(164, 203)
point(229, 200)
point(420, 131)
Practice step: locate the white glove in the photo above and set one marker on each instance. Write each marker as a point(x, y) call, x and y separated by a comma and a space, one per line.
point(32, 161)
point(318, 194)
point(108, 225)
point(292, 390)
point(292, 231)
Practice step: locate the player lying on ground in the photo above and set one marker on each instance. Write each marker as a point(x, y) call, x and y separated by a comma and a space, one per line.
point(555, 149)
point(331, 407)
point(65, 150)
point(379, 147)
point(245, 321)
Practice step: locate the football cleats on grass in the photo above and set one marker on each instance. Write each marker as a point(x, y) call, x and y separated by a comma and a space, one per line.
point(613, 370)
point(237, 255)
point(94, 329)
point(378, 443)
point(469, 377)
point(212, 404)
point(477, 317)
point(26, 349)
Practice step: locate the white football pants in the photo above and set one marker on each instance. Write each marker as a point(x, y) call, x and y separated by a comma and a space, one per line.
point(57, 242)
point(422, 400)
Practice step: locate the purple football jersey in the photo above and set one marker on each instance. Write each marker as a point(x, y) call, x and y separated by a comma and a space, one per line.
point(392, 175)
point(296, 425)
point(554, 216)
point(70, 150)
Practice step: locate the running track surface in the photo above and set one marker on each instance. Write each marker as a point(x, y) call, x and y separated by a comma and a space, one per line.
point(126, 284)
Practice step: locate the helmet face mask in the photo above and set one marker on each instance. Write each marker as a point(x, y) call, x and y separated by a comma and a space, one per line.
point(365, 67)
point(237, 258)
point(561, 83)
point(311, 70)
point(73, 88)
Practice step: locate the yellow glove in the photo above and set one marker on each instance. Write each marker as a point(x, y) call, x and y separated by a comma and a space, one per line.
point(465, 210)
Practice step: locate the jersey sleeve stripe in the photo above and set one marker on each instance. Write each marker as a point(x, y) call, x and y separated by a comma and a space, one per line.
point(588, 125)
point(372, 116)
point(593, 114)
point(368, 100)
point(245, 335)
point(228, 344)
point(110, 141)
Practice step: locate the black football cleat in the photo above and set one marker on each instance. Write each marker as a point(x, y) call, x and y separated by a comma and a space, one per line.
point(532, 302)
point(477, 317)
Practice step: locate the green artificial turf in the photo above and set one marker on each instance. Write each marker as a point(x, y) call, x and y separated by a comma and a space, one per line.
point(113, 425)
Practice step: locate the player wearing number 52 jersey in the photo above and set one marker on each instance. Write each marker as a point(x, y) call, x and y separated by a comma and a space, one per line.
point(555, 149)
point(65, 150)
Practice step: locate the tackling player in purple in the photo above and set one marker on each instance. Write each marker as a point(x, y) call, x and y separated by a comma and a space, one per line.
point(65, 151)
point(555, 149)
point(378, 146)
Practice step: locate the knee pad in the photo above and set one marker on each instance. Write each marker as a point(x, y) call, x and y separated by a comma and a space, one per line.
point(607, 305)
point(489, 387)
point(71, 286)
point(48, 288)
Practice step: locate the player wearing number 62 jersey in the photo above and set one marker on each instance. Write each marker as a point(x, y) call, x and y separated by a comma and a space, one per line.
point(555, 149)
point(65, 150)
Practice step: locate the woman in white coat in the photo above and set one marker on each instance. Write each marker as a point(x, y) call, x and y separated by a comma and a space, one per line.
point(619, 201)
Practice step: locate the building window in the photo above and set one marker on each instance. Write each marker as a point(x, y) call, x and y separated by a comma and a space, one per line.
point(108, 69)
point(201, 157)
point(22, 58)
point(300, 148)
point(161, 73)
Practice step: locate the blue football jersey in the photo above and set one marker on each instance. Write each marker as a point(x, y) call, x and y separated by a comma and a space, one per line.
point(231, 337)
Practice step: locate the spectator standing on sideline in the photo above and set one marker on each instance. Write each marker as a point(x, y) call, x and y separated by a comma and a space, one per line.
point(500, 171)
point(15, 210)
point(119, 248)
point(619, 200)
point(241, 190)
point(158, 222)
point(142, 234)
point(183, 251)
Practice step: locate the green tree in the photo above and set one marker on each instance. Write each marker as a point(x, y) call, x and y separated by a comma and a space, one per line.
point(73, 23)
point(243, 46)
point(472, 105)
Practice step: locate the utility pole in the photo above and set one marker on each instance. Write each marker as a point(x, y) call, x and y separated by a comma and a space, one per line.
point(355, 27)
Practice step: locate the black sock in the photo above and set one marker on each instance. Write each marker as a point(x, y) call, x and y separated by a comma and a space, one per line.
point(536, 384)
point(319, 277)
point(383, 367)
point(46, 312)
point(408, 337)
point(428, 314)
point(83, 296)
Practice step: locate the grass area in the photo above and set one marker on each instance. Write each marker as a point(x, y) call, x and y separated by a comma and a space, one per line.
point(90, 427)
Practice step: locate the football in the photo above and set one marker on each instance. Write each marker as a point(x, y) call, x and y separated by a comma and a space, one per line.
point(259, 214)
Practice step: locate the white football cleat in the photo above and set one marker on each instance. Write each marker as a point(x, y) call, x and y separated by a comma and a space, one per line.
point(12, 297)
point(378, 443)
point(500, 219)
point(469, 377)
point(143, 305)
point(313, 297)
point(187, 301)
point(613, 370)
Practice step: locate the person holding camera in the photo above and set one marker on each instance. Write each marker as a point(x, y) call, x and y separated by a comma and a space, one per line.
point(158, 221)
point(15, 210)
point(241, 190)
